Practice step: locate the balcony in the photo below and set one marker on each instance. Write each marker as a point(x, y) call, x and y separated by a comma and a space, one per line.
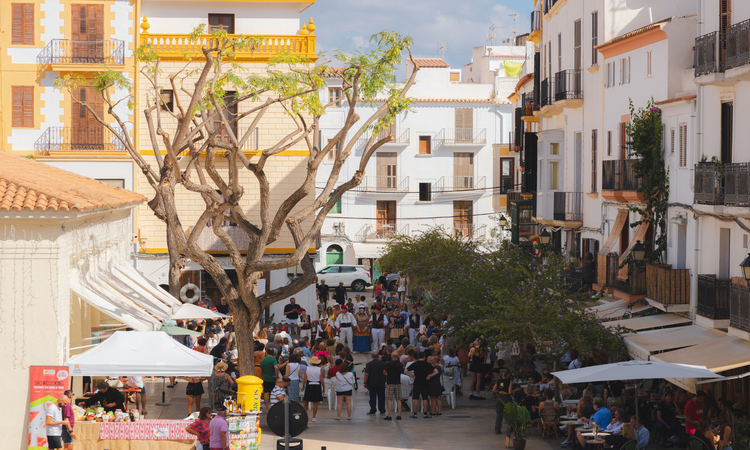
point(76, 56)
point(400, 137)
point(739, 309)
point(547, 100)
point(519, 128)
point(568, 206)
point(619, 182)
point(469, 230)
point(536, 27)
point(461, 137)
point(713, 299)
point(552, 7)
point(460, 186)
point(568, 89)
point(709, 189)
point(530, 104)
point(668, 289)
point(381, 230)
point(738, 45)
point(707, 56)
point(179, 47)
point(68, 139)
point(737, 185)
point(380, 184)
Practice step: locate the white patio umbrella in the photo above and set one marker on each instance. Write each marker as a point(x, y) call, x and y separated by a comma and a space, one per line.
point(633, 370)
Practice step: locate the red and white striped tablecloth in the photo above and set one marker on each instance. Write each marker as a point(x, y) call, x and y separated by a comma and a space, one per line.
point(159, 430)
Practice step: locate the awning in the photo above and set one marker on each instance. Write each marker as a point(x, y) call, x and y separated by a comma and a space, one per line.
point(129, 314)
point(617, 309)
point(725, 353)
point(647, 343)
point(650, 322)
point(365, 251)
point(614, 233)
point(188, 311)
point(141, 282)
point(639, 235)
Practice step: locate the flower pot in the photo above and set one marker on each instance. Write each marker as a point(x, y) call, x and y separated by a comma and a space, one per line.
point(519, 444)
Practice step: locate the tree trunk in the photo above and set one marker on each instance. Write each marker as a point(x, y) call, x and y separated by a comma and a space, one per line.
point(245, 323)
point(175, 264)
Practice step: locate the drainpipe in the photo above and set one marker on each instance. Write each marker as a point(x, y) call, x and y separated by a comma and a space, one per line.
point(697, 141)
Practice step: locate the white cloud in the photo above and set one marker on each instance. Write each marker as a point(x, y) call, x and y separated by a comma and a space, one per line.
point(347, 24)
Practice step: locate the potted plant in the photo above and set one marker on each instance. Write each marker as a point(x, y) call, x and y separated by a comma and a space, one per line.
point(518, 419)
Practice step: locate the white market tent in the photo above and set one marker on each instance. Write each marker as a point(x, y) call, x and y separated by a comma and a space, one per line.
point(633, 370)
point(141, 353)
point(188, 311)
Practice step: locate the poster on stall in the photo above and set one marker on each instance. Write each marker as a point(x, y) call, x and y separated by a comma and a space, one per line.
point(47, 384)
point(244, 432)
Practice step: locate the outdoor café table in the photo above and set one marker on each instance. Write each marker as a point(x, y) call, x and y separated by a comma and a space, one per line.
point(569, 422)
point(592, 434)
point(595, 442)
point(141, 435)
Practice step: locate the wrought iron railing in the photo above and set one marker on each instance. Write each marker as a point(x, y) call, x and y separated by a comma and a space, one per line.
point(384, 183)
point(548, 92)
point(61, 139)
point(462, 136)
point(530, 103)
point(618, 175)
point(460, 183)
point(707, 56)
point(568, 85)
point(536, 20)
point(668, 286)
point(738, 44)
point(713, 297)
point(65, 51)
point(383, 229)
point(519, 128)
point(568, 206)
point(464, 229)
point(739, 307)
point(737, 184)
point(709, 185)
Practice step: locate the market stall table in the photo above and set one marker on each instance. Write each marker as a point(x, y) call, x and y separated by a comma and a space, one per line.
point(140, 435)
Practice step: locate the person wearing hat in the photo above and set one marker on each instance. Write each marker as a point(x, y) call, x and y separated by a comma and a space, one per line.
point(220, 384)
point(377, 321)
point(345, 324)
point(219, 429)
point(110, 398)
point(313, 383)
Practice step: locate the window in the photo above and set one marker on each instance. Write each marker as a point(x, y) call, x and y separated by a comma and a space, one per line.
point(463, 171)
point(463, 218)
point(385, 167)
point(230, 114)
point(120, 183)
point(594, 144)
point(594, 37)
point(609, 77)
point(334, 96)
point(609, 143)
point(425, 192)
point(554, 173)
point(625, 70)
point(23, 23)
point(348, 269)
point(506, 174)
point(385, 225)
point(332, 152)
point(624, 145)
point(223, 22)
point(337, 207)
point(648, 63)
point(559, 52)
point(577, 37)
point(23, 106)
point(671, 141)
point(425, 145)
point(464, 125)
point(554, 148)
point(549, 59)
point(167, 100)
point(683, 144)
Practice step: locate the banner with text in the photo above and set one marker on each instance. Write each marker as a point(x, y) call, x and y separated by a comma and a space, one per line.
point(47, 384)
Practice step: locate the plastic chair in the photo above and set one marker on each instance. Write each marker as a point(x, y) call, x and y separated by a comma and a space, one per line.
point(549, 419)
point(331, 392)
point(449, 391)
point(630, 445)
point(695, 443)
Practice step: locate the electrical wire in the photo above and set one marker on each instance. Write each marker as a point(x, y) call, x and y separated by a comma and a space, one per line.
point(415, 218)
point(436, 192)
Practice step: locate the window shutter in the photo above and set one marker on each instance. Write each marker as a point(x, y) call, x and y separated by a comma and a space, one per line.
point(23, 106)
point(683, 145)
point(671, 141)
point(594, 143)
point(76, 27)
point(98, 22)
point(23, 23)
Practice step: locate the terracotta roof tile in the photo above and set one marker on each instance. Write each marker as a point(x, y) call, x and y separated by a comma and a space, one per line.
point(430, 62)
point(632, 33)
point(674, 100)
point(27, 185)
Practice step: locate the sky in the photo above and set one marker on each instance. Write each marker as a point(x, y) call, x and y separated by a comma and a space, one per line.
point(459, 25)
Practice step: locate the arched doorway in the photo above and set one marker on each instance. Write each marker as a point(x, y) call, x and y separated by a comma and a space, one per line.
point(334, 255)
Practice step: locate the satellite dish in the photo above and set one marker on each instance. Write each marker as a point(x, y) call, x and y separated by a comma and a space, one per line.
point(297, 419)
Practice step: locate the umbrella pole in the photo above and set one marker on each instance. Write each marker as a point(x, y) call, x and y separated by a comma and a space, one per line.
point(164, 401)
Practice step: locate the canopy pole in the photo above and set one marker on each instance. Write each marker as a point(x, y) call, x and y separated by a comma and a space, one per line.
point(164, 401)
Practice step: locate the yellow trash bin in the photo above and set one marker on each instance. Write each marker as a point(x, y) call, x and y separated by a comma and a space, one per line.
point(249, 392)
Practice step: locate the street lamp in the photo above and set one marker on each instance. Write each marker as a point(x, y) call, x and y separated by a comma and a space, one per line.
point(639, 251)
point(544, 237)
point(502, 221)
point(745, 266)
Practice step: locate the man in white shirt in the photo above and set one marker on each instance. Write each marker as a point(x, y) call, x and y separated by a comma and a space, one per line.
point(345, 324)
point(362, 303)
point(138, 382)
point(54, 422)
point(377, 321)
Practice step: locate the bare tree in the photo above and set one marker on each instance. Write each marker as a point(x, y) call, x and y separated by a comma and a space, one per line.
point(206, 133)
